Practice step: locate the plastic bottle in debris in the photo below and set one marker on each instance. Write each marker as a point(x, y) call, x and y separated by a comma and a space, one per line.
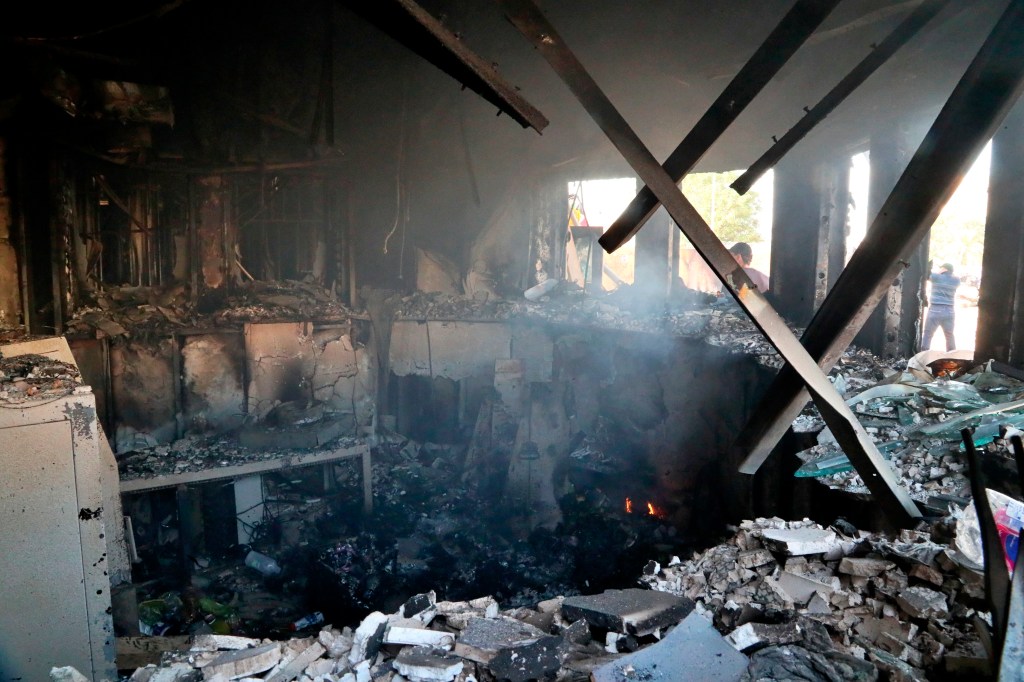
point(262, 563)
point(314, 618)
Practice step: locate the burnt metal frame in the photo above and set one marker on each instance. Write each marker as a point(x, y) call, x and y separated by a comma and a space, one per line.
point(417, 29)
point(877, 475)
point(785, 39)
point(979, 102)
point(878, 56)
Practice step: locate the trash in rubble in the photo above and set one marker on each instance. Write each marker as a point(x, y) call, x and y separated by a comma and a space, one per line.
point(31, 377)
point(1009, 517)
point(310, 620)
point(262, 563)
point(536, 292)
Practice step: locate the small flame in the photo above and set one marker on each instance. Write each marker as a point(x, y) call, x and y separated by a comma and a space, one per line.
point(629, 506)
point(651, 511)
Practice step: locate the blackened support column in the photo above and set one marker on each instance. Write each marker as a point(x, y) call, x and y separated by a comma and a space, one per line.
point(834, 190)
point(1000, 324)
point(796, 220)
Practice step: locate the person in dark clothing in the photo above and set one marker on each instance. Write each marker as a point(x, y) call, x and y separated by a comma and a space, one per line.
point(940, 308)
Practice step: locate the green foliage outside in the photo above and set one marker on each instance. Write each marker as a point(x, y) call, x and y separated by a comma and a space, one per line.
point(732, 217)
point(959, 240)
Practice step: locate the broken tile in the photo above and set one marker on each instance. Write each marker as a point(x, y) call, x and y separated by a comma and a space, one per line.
point(222, 642)
point(484, 638)
point(921, 602)
point(693, 650)
point(927, 574)
point(751, 636)
point(530, 661)
point(801, 541)
point(632, 611)
point(294, 667)
point(418, 636)
point(244, 662)
point(368, 637)
point(426, 664)
point(864, 567)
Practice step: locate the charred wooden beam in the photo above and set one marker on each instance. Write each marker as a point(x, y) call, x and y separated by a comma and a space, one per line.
point(855, 441)
point(980, 101)
point(418, 30)
point(794, 29)
point(1000, 321)
point(881, 53)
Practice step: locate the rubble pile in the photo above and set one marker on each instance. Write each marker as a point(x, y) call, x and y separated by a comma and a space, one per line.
point(915, 416)
point(34, 378)
point(905, 604)
point(779, 600)
point(118, 311)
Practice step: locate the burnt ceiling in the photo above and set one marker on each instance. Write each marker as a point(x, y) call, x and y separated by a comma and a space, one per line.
point(248, 80)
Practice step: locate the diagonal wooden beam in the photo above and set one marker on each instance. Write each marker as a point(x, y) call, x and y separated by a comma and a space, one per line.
point(858, 446)
point(899, 37)
point(794, 29)
point(985, 94)
point(418, 30)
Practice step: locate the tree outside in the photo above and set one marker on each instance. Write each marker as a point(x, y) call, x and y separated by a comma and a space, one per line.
point(732, 217)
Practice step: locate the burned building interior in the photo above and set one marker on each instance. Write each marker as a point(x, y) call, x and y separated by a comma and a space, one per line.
point(314, 368)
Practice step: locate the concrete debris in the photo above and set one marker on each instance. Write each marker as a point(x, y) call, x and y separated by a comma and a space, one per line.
point(66, 673)
point(865, 613)
point(244, 662)
point(800, 541)
point(875, 607)
point(693, 650)
point(423, 664)
point(633, 611)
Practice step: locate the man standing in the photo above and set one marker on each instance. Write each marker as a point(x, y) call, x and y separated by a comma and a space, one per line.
point(743, 254)
point(940, 308)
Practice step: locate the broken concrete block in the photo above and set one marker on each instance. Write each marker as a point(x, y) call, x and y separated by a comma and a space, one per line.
point(533, 661)
point(921, 602)
point(319, 668)
point(299, 663)
point(66, 673)
point(222, 643)
point(755, 557)
point(927, 574)
point(417, 605)
point(178, 672)
point(551, 605)
point(423, 664)
point(864, 567)
point(541, 621)
point(244, 662)
point(632, 611)
point(801, 541)
point(337, 643)
point(577, 633)
point(368, 637)
point(484, 638)
point(419, 636)
point(818, 605)
point(458, 614)
point(693, 650)
point(362, 672)
point(747, 638)
point(801, 588)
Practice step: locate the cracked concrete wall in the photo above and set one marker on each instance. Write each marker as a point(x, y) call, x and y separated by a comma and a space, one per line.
point(143, 383)
point(213, 389)
point(295, 361)
point(344, 375)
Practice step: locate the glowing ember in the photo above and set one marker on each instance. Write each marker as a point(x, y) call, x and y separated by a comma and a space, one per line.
point(629, 506)
point(651, 510)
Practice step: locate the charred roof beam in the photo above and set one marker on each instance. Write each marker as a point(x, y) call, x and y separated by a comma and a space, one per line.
point(418, 30)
